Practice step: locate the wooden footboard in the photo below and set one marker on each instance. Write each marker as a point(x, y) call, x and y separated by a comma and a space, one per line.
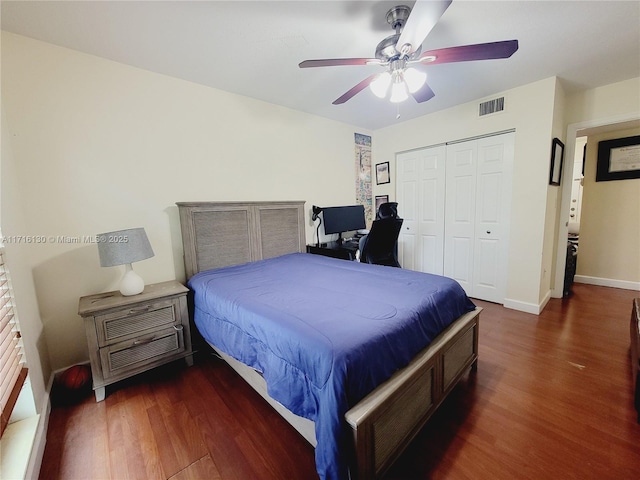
point(385, 421)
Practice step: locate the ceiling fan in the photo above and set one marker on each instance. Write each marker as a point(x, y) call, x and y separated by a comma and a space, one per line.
point(399, 52)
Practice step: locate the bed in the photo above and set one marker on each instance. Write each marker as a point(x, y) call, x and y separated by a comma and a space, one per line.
point(355, 356)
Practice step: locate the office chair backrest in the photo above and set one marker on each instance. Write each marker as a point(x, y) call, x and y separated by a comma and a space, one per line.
point(380, 245)
point(387, 210)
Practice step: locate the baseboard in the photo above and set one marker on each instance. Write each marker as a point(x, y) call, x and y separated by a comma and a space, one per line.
point(545, 300)
point(37, 452)
point(533, 308)
point(602, 282)
point(40, 441)
point(607, 282)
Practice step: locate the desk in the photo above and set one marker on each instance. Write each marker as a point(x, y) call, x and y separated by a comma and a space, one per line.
point(345, 251)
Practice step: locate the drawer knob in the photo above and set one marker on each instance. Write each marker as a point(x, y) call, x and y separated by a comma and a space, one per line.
point(179, 327)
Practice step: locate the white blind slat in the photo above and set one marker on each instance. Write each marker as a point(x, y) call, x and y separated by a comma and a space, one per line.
point(8, 379)
point(12, 371)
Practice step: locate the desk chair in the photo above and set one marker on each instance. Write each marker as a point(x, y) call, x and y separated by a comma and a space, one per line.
point(380, 246)
point(387, 210)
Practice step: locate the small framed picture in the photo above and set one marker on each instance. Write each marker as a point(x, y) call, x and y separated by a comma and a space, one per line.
point(382, 173)
point(557, 154)
point(380, 199)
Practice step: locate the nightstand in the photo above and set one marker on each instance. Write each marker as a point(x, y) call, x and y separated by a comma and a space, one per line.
point(130, 335)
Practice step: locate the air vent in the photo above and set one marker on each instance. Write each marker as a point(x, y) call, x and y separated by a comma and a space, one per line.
point(491, 106)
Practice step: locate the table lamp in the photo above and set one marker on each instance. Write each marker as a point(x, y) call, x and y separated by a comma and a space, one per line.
point(316, 216)
point(123, 247)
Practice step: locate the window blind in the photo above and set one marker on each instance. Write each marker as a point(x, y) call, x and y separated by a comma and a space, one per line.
point(12, 367)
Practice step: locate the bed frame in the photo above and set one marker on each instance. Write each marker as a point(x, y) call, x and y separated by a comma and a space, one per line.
point(219, 234)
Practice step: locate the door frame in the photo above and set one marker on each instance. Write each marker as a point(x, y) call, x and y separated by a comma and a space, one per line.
point(574, 131)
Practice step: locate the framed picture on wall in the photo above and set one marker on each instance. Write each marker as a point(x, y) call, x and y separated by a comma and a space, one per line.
point(557, 155)
point(618, 159)
point(382, 173)
point(380, 199)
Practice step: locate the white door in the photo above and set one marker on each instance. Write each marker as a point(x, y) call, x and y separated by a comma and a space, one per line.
point(421, 195)
point(493, 211)
point(456, 204)
point(407, 181)
point(478, 199)
point(460, 213)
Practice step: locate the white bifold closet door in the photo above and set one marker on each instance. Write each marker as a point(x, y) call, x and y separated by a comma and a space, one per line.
point(456, 203)
point(420, 191)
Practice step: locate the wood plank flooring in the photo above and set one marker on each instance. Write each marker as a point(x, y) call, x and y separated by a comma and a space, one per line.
point(552, 398)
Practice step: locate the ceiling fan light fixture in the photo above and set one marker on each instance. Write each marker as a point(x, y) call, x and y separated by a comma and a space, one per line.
point(380, 86)
point(404, 48)
point(414, 79)
point(398, 91)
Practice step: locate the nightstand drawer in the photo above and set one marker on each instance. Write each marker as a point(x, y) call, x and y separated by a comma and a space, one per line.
point(131, 322)
point(133, 354)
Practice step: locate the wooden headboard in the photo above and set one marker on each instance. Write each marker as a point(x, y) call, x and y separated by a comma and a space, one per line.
point(220, 234)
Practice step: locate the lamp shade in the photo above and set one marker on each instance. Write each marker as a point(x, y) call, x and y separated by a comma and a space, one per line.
point(414, 79)
point(123, 246)
point(398, 92)
point(380, 86)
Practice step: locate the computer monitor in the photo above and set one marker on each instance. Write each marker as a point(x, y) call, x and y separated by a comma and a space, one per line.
point(343, 219)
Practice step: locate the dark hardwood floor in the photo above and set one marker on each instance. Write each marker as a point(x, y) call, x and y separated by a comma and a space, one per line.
point(552, 398)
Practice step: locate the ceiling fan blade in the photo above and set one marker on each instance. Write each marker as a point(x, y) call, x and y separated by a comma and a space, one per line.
point(425, 93)
point(466, 53)
point(336, 62)
point(422, 19)
point(355, 90)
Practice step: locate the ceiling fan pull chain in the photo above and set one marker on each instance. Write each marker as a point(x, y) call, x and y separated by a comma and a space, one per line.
point(397, 111)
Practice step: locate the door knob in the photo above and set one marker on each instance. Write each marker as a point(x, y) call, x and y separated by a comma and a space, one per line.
point(488, 232)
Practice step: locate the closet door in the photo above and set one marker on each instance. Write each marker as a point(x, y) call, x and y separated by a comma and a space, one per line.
point(407, 194)
point(493, 212)
point(478, 209)
point(420, 191)
point(460, 212)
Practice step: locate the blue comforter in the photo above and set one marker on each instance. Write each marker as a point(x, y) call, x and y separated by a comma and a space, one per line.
point(323, 332)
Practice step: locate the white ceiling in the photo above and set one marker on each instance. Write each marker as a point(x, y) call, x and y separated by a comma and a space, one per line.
point(253, 48)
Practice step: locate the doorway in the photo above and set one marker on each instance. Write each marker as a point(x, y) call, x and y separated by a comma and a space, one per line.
point(574, 131)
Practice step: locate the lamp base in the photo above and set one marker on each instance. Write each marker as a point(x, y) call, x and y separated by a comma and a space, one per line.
point(131, 283)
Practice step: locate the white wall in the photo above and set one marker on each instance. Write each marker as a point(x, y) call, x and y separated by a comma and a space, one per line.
point(620, 99)
point(554, 197)
point(25, 437)
point(530, 111)
point(11, 219)
point(102, 146)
